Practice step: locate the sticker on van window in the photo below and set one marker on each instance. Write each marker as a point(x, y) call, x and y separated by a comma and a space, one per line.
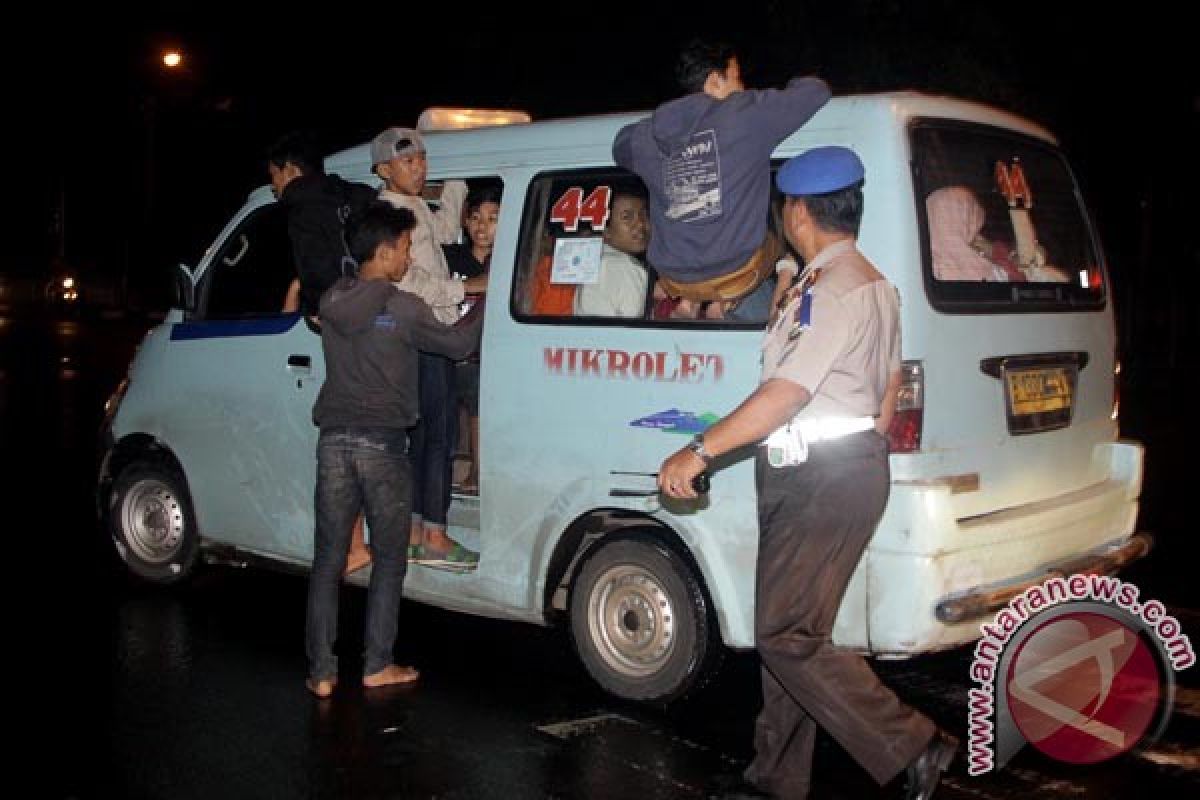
point(577, 260)
point(674, 420)
point(1013, 186)
point(571, 207)
point(663, 367)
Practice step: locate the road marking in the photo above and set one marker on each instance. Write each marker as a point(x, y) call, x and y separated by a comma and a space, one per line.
point(578, 727)
point(1174, 757)
point(1045, 781)
point(644, 748)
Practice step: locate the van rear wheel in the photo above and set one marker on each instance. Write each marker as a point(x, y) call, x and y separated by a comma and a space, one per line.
point(640, 622)
point(152, 525)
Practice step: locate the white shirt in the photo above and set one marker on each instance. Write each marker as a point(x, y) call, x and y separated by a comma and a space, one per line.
point(619, 292)
point(429, 276)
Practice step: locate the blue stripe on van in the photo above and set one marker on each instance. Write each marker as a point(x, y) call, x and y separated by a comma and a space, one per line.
point(223, 328)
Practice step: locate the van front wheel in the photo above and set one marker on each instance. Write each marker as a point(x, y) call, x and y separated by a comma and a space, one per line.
point(640, 622)
point(150, 517)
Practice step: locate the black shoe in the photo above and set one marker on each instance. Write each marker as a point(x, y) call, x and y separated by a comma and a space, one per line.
point(926, 769)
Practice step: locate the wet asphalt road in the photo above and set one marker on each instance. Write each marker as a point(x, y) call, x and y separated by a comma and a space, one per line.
point(198, 691)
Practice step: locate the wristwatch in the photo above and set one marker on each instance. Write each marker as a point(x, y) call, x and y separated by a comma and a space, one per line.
point(696, 445)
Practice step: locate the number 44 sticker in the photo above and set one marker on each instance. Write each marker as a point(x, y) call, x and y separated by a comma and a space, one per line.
point(572, 207)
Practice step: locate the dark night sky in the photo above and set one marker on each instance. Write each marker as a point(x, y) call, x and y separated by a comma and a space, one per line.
point(1122, 93)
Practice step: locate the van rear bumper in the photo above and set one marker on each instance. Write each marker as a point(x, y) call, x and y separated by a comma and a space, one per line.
point(963, 607)
point(930, 576)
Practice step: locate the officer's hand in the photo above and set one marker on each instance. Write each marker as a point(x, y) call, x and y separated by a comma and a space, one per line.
point(676, 474)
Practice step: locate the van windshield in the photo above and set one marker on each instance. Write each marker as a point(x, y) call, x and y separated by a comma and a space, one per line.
point(1003, 226)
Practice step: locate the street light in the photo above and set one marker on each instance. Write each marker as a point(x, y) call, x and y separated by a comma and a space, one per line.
point(168, 71)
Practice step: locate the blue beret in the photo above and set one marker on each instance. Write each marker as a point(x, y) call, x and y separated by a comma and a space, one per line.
point(819, 171)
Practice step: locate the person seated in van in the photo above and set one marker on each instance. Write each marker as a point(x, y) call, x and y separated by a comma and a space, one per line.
point(547, 298)
point(620, 290)
point(706, 160)
point(398, 157)
point(317, 205)
point(472, 258)
point(370, 335)
point(960, 253)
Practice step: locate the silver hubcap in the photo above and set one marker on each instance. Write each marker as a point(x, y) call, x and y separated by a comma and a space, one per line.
point(152, 519)
point(632, 621)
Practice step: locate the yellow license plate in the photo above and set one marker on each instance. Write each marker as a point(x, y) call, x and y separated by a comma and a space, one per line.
point(1035, 391)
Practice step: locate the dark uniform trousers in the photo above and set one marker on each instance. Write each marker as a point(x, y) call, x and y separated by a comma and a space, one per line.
point(815, 520)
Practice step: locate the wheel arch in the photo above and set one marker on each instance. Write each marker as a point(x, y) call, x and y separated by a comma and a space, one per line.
point(129, 450)
point(601, 526)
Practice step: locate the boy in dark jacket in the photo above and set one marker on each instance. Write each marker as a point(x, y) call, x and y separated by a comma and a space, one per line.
point(370, 333)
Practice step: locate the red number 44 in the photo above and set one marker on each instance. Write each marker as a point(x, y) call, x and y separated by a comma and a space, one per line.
point(572, 207)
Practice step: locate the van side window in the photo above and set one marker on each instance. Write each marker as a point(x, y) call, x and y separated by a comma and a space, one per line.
point(582, 259)
point(583, 246)
point(250, 274)
point(1004, 228)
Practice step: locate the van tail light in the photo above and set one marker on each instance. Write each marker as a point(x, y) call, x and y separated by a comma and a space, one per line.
point(904, 434)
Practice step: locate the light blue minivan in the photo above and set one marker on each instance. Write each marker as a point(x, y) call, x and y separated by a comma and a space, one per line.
point(1006, 461)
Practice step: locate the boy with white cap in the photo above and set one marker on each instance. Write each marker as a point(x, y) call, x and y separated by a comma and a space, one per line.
point(398, 157)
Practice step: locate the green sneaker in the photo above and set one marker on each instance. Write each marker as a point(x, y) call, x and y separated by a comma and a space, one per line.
point(457, 557)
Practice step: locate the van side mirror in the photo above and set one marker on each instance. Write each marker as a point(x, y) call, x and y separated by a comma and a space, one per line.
point(185, 288)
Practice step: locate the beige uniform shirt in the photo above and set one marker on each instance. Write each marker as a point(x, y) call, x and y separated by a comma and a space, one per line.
point(852, 343)
point(429, 276)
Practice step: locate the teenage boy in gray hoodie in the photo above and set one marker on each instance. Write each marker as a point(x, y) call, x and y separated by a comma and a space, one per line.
point(370, 334)
point(706, 160)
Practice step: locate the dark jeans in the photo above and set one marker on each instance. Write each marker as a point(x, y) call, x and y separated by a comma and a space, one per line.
point(358, 468)
point(433, 439)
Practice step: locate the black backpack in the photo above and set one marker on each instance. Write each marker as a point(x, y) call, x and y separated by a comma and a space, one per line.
point(318, 228)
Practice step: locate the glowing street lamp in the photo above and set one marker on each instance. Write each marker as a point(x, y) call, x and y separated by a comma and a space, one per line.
point(172, 59)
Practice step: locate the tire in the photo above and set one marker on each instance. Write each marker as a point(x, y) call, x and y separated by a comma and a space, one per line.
point(152, 524)
point(641, 623)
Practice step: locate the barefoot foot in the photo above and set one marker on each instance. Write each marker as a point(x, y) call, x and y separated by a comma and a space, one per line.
point(391, 675)
point(322, 687)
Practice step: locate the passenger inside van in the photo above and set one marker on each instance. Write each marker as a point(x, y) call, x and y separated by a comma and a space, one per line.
point(470, 258)
point(620, 290)
point(960, 253)
point(547, 298)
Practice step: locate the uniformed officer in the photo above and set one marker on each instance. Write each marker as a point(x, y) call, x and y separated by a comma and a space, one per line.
point(831, 369)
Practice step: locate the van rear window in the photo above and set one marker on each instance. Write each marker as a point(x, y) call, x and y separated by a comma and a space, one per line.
point(1003, 225)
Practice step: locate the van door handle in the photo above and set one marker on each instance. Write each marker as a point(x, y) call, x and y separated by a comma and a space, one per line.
point(301, 362)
